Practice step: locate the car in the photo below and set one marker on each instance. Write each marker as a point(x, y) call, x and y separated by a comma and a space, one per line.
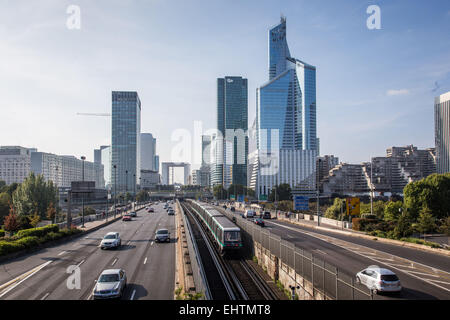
point(110, 284)
point(224, 206)
point(133, 213)
point(111, 240)
point(150, 210)
point(233, 209)
point(171, 212)
point(126, 217)
point(266, 215)
point(379, 280)
point(162, 235)
point(249, 214)
point(259, 222)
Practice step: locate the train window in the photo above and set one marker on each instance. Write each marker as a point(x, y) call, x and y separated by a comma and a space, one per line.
point(232, 236)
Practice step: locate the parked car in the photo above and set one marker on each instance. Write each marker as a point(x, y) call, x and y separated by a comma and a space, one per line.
point(249, 214)
point(126, 217)
point(259, 222)
point(111, 240)
point(110, 284)
point(133, 213)
point(162, 235)
point(379, 280)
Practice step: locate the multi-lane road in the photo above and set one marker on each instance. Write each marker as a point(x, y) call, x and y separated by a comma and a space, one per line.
point(150, 266)
point(424, 275)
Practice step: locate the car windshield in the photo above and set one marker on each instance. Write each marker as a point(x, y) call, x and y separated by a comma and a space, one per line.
point(161, 232)
point(110, 236)
point(232, 236)
point(109, 278)
point(389, 277)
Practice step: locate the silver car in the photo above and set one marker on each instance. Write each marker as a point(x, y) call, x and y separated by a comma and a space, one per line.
point(110, 284)
point(162, 235)
point(111, 240)
point(379, 280)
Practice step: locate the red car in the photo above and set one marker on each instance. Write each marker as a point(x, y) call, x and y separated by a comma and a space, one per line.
point(126, 217)
point(150, 210)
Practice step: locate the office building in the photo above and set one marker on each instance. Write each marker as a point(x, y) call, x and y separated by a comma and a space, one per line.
point(148, 152)
point(126, 136)
point(442, 132)
point(285, 120)
point(106, 162)
point(15, 163)
point(149, 179)
point(232, 125)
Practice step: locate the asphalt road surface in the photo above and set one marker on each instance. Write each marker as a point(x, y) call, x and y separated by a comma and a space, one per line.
point(150, 266)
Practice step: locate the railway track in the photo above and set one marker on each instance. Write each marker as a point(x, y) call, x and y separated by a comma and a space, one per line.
point(240, 280)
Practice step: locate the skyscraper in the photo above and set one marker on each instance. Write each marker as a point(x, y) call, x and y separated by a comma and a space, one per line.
point(442, 132)
point(148, 151)
point(286, 137)
point(125, 146)
point(232, 143)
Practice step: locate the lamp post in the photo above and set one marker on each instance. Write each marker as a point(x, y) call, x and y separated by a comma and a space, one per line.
point(371, 186)
point(115, 188)
point(318, 193)
point(134, 183)
point(82, 194)
point(126, 185)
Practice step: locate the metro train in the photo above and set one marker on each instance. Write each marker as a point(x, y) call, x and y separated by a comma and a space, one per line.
point(227, 235)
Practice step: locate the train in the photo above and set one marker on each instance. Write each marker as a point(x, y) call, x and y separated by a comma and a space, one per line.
point(227, 236)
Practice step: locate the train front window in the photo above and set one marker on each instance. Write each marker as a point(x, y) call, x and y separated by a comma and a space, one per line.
point(232, 236)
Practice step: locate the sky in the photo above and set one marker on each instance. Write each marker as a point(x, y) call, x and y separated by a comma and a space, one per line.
point(375, 88)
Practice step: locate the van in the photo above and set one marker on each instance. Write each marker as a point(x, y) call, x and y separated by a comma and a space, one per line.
point(249, 214)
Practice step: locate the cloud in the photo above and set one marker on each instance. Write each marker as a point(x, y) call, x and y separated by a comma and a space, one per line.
point(400, 92)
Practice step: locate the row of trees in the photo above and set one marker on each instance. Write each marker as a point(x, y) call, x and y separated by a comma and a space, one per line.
point(221, 193)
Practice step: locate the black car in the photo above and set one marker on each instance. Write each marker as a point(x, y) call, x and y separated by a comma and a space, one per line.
point(225, 207)
point(266, 215)
point(232, 209)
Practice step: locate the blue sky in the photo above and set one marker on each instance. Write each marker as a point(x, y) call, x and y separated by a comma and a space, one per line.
point(375, 88)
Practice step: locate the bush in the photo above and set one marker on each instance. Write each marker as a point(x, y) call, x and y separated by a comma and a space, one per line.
point(361, 224)
point(28, 242)
point(53, 236)
point(2, 233)
point(37, 232)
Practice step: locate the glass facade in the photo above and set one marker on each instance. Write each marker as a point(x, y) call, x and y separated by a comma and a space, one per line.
point(232, 123)
point(125, 146)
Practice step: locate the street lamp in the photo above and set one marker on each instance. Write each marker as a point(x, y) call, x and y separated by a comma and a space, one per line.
point(115, 189)
point(134, 183)
point(82, 194)
point(371, 186)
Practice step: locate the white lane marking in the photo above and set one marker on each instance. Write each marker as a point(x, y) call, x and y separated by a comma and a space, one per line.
point(46, 295)
point(61, 253)
point(445, 282)
point(152, 243)
point(132, 295)
point(115, 260)
point(128, 243)
point(82, 261)
point(145, 261)
point(322, 252)
point(14, 283)
point(90, 296)
point(425, 274)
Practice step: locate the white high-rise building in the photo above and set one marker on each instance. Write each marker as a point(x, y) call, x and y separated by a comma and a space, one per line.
point(148, 152)
point(442, 132)
point(15, 163)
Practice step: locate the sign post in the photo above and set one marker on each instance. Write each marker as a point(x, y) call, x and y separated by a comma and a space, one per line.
point(301, 203)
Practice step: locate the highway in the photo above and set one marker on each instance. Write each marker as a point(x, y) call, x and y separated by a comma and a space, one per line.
point(149, 266)
point(424, 275)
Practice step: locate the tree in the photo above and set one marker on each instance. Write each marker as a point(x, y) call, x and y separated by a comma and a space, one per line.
point(403, 227)
point(11, 223)
point(445, 226)
point(334, 211)
point(392, 210)
point(34, 195)
point(426, 222)
point(34, 220)
point(219, 192)
point(51, 212)
point(142, 196)
point(89, 211)
point(5, 202)
point(283, 192)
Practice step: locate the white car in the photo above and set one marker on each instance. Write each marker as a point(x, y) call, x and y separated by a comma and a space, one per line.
point(379, 279)
point(110, 284)
point(249, 214)
point(111, 240)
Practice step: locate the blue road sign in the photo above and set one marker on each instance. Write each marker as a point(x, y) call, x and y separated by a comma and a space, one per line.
point(241, 198)
point(301, 203)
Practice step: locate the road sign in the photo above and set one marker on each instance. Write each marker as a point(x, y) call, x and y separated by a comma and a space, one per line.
point(246, 199)
point(232, 197)
point(263, 197)
point(352, 206)
point(301, 203)
point(240, 198)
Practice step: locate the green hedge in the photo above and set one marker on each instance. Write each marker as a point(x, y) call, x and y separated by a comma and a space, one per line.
point(15, 244)
point(37, 232)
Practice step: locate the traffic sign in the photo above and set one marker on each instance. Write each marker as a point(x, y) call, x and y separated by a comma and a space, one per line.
point(353, 206)
point(263, 197)
point(301, 203)
point(240, 198)
point(232, 197)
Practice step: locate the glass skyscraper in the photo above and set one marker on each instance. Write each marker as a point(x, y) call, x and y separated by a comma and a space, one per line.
point(286, 134)
point(125, 146)
point(232, 123)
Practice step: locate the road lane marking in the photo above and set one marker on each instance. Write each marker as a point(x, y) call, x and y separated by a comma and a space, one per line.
point(15, 282)
point(145, 261)
point(46, 295)
point(115, 260)
point(425, 274)
point(82, 261)
point(322, 252)
point(444, 282)
point(132, 295)
point(61, 253)
point(152, 243)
